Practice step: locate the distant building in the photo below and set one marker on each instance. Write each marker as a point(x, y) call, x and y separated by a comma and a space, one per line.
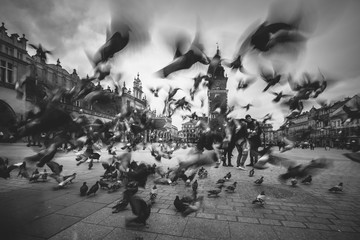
point(217, 93)
point(326, 125)
point(136, 98)
point(267, 135)
point(188, 130)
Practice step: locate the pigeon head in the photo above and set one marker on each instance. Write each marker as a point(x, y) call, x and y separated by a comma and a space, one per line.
point(340, 184)
point(262, 193)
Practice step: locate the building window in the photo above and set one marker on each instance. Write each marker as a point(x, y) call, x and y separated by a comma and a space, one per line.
point(6, 72)
point(20, 55)
point(77, 103)
point(10, 73)
point(3, 71)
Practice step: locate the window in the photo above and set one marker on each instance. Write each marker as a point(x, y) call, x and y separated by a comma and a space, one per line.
point(77, 103)
point(10, 73)
point(6, 71)
point(3, 71)
point(20, 55)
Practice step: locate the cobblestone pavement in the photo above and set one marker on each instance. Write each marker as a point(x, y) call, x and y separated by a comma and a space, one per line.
point(36, 211)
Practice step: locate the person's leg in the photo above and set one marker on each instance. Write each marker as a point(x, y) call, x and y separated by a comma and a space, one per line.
point(229, 154)
point(244, 153)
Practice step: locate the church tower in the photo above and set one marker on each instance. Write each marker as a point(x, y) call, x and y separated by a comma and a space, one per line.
point(217, 93)
point(137, 89)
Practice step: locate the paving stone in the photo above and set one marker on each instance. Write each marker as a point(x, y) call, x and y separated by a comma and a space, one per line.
point(205, 215)
point(283, 212)
point(318, 220)
point(83, 230)
point(116, 219)
point(81, 209)
point(247, 220)
point(274, 216)
point(330, 235)
point(304, 214)
point(296, 218)
point(342, 228)
point(250, 231)
point(206, 229)
point(270, 222)
point(293, 224)
point(343, 222)
point(66, 200)
point(224, 207)
point(168, 211)
point(317, 226)
point(50, 225)
point(121, 233)
point(325, 215)
point(169, 237)
point(166, 224)
point(285, 233)
point(226, 218)
point(99, 216)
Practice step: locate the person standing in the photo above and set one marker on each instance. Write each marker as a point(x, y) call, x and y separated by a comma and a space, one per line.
point(254, 133)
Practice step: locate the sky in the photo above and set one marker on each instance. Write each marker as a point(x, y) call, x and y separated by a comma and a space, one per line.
point(73, 29)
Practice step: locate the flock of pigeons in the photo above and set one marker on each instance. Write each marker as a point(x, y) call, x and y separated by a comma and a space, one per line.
point(48, 116)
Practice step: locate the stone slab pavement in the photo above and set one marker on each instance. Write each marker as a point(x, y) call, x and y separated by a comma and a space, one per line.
point(37, 211)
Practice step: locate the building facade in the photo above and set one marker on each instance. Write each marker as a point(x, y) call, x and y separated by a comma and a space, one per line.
point(16, 63)
point(188, 130)
point(327, 126)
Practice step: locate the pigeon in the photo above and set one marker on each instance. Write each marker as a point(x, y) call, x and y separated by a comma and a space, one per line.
point(260, 199)
point(279, 96)
point(194, 206)
point(83, 189)
point(221, 181)
point(122, 204)
point(34, 176)
point(185, 61)
point(44, 175)
point(67, 180)
point(93, 189)
point(116, 186)
point(40, 51)
point(259, 181)
point(139, 208)
point(215, 192)
point(104, 185)
point(300, 171)
point(294, 181)
point(114, 44)
point(180, 205)
point(227, 176)
point(251, 172)
point(307, 180)
point(91, 164)
point(337, 188)
point(231, 188)
point(155, 91)
point(195, 186)
point(153, 194)
point(5, 169)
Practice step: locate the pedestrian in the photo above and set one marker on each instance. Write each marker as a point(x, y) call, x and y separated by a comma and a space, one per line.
point(254, 133)
point(239, 140)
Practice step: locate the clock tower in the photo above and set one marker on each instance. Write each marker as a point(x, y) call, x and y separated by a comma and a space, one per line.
point(217, 93)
